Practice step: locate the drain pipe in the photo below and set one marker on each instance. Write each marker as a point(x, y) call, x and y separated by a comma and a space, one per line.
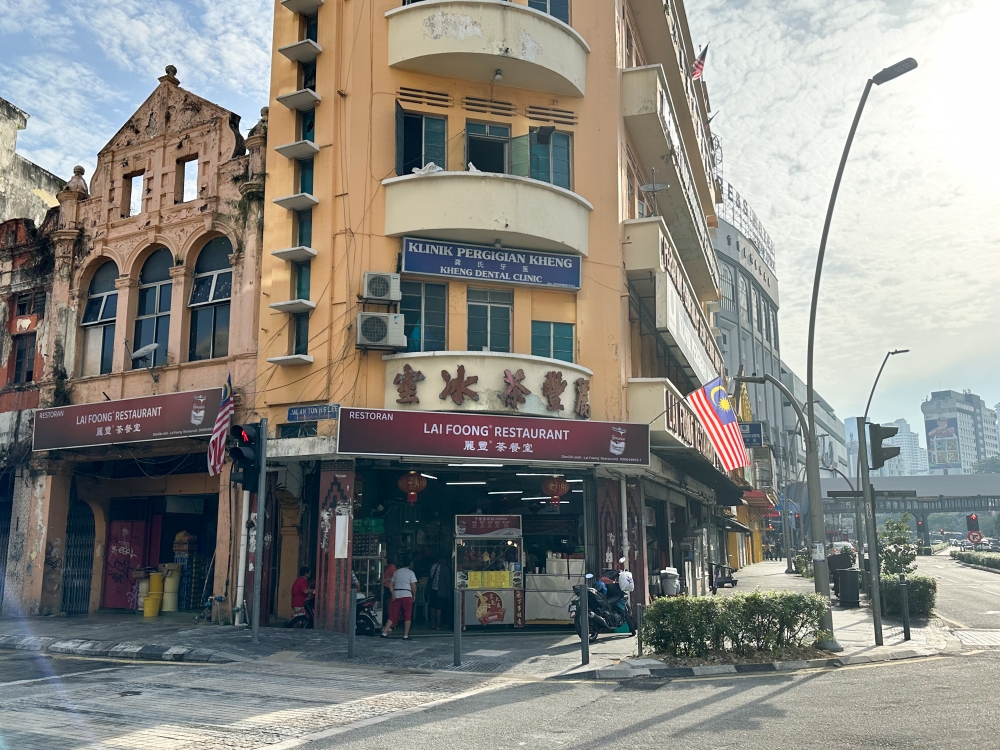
point(240, 618)
point(625, 544)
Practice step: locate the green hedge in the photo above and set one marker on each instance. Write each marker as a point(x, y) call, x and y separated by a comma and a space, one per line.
point(743, 623)
point(986, 559)
point(920, 596)
point(802, 564)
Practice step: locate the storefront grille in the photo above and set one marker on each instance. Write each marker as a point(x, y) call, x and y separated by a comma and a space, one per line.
point(79, 559)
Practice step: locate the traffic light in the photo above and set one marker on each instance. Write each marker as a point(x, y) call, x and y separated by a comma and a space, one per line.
point(942, 529)
point(880, 454)
point(920, 524)
point(246, 455)
point(972, 522)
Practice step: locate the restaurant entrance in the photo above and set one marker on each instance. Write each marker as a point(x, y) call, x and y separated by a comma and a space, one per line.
point(517, 550)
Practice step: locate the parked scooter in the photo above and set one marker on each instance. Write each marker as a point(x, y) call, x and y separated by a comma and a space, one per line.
point(304, 619)
point(605, 616)
point(365, 622)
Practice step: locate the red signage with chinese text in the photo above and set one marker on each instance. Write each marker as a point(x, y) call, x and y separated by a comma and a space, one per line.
point(384, 432)
point(132, 420)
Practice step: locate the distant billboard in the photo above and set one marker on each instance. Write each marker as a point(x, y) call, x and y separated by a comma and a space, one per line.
point(943, 450)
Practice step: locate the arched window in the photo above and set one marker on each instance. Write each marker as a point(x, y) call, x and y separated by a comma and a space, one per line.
point(728, 303)
point(213, 286)
point(152, 316)
point(755, 307)
point(99, 321)
point(744, 300)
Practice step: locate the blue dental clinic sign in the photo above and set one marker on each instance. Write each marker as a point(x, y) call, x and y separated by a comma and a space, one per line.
point(753, 434)
point(478, 263)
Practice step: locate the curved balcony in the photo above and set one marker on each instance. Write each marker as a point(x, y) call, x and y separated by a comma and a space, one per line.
point(490, 387)
point(472, 39)
point(482, 207)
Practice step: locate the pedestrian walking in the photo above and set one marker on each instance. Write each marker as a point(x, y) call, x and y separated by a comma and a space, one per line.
point(387, 575)
point(404, 590)
point(440, 586)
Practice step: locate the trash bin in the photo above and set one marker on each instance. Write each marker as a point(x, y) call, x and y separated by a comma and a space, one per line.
point(850, 587)
point(670, 582)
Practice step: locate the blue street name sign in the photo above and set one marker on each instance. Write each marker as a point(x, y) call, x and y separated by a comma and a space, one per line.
point(313, 413)
point(479, 263)
point(753, 434)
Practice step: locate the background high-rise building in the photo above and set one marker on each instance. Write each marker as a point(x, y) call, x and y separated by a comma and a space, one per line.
point(960, 430)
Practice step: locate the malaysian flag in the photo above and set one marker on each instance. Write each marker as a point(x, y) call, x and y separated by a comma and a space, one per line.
point(699, 65)
point(715, 411)
point(217, 445)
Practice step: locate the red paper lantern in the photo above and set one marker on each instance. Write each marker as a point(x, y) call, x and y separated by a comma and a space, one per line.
point(554, 487)
point(411, 484)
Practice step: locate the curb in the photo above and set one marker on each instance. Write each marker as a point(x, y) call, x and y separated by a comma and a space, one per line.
point(112, 649)
point(648, 667)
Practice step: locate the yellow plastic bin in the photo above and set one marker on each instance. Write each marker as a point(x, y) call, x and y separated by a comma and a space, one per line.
point(155, 583)
point(151, 604)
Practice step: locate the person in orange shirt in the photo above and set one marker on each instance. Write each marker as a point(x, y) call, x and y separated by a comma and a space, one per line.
point(387, 574)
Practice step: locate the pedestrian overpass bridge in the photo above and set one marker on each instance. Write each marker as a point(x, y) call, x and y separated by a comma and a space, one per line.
point(953, 493)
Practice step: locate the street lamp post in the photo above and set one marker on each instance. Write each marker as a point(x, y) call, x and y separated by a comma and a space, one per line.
point(821, 570)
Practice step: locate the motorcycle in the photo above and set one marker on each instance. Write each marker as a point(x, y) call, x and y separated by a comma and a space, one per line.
point(304, 620)
point(605, 614)
point(365, 622)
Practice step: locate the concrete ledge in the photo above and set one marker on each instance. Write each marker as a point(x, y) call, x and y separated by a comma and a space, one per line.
point(977, 567)
point(110, 649)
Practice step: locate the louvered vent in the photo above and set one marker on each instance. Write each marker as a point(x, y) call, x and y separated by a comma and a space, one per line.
point(551, 114)
point(489, 106)
point(420, 96)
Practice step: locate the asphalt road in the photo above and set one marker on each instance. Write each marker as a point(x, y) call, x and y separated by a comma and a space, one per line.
point(930, 703)
point(966, 597)
point(18, 668)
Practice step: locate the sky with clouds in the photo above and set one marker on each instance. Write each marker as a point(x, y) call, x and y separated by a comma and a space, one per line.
point(913, 259)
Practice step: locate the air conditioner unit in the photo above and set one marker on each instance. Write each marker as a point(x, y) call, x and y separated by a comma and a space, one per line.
point(380, 331)
point(382, 287)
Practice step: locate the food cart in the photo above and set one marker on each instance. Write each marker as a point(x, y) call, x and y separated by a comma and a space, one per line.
point(489, 569)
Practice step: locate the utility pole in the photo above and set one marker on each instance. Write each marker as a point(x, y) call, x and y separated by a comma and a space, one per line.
point(873, 562)
point(258, 558)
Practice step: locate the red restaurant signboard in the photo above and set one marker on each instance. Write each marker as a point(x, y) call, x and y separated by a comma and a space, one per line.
point(384, 432)
point(132, 420)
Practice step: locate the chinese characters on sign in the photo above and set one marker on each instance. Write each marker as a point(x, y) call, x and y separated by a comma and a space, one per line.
point(475, 525)
point(407, 385)
point(582, 407)
point(515, 390)
point(552, 389)
point(458, 387)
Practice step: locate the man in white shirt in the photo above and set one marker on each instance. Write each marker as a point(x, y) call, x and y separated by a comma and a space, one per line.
point(404, 590)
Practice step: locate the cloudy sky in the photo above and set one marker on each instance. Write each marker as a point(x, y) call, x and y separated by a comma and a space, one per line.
point(914, 254)
point(913, 259)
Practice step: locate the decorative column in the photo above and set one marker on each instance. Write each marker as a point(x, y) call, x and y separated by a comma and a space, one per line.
point(127, 300)
point(180, 321)
point(333, 559)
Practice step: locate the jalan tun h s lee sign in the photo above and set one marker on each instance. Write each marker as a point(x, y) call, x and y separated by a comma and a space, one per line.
point(132, 420)
point(384, 432)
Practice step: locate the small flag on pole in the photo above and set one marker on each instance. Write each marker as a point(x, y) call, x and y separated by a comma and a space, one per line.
point(699, 65)
point(715, 412)
point(217, 445)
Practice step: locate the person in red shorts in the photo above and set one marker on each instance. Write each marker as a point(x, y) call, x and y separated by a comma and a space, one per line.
point(404, 590)
point(301, 590)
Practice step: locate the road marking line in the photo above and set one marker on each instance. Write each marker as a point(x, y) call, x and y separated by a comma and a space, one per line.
point(56, 677)
point(334, 731)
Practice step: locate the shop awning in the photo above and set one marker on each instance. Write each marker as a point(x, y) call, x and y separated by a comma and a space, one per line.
point(758, 498)
point(695, 465)
point(731, 524)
